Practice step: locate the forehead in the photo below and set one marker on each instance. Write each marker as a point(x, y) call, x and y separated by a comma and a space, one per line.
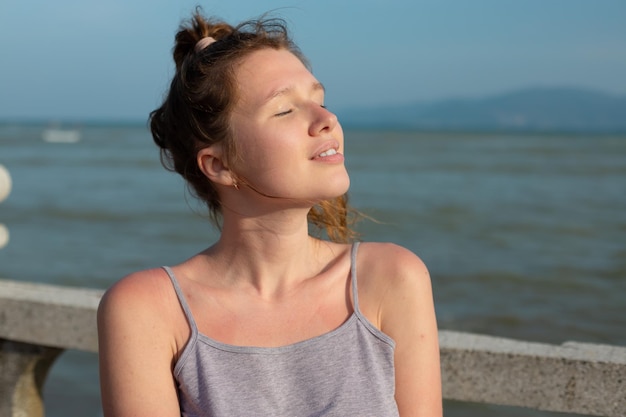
point(262, 73)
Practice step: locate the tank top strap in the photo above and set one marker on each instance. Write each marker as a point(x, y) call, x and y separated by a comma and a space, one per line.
point(357, 310)
point(355, 293)
point(182, 301)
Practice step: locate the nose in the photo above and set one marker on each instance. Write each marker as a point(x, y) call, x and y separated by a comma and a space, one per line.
point(323, 121)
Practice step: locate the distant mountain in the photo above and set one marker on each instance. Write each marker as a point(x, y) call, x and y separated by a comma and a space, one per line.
point(534, 109)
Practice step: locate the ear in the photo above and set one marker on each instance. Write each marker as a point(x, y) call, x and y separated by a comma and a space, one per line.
point(211, 162)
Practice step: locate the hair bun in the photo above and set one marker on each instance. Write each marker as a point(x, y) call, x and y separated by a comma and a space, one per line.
point(195, 30)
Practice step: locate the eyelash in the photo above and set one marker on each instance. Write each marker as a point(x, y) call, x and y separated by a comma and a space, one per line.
point(284, 113)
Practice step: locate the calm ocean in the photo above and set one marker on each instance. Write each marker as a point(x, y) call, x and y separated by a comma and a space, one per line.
point(524, 234)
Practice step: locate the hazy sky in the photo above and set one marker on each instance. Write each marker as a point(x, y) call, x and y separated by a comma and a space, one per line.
point(110, 59)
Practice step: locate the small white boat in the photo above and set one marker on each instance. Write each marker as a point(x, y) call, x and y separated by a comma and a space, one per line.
point(54, 135)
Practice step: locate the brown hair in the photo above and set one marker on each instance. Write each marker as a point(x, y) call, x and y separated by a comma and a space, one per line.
point(196, 111)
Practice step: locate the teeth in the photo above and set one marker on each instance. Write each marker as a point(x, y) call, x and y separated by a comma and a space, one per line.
point(328, 152)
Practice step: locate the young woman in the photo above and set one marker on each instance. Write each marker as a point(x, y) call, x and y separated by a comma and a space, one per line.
point(269, 320)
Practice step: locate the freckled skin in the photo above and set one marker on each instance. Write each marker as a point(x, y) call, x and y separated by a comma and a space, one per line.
point(279, 136)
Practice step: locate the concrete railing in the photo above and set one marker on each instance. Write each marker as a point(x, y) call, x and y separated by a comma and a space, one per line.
point(37, 322)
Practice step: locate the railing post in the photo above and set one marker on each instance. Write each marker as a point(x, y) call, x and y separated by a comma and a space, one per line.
point(23, 371)
point(38, 322)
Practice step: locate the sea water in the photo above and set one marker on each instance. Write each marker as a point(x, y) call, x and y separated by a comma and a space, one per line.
point(524, 234)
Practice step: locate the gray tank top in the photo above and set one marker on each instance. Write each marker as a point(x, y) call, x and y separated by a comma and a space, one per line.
point(346, 372)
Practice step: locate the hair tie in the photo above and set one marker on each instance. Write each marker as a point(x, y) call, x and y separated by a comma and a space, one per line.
point(203, 43)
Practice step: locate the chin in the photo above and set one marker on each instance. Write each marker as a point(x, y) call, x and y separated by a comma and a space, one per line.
point(338, 187)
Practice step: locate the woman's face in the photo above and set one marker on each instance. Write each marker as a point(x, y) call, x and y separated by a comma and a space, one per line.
point(289, 145)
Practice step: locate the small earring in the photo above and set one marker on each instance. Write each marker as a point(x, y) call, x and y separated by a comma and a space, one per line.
point(235, 185)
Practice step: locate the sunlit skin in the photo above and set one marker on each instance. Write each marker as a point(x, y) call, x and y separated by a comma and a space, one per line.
point(266, 282)
point(281, 127)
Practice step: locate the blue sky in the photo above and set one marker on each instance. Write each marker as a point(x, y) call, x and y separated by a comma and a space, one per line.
point(110, 60)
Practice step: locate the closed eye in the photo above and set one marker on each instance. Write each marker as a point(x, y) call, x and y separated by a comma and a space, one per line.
point(283, 113)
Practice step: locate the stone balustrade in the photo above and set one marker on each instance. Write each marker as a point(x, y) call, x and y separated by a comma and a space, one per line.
point(38, 322)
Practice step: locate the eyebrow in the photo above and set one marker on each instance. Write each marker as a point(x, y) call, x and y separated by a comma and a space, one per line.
point(316, 86)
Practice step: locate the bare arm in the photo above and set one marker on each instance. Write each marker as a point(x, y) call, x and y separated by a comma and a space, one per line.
point(407, 314)
point(136, 350)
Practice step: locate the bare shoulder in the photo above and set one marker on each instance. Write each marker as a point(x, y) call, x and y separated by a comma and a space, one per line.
point(395, 281)
point(137, 346)
point(143, 304)
point(391, 265)
point(135, 293)
point(398, 282)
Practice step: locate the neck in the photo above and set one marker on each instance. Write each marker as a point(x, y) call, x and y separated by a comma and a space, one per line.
point(270, 253)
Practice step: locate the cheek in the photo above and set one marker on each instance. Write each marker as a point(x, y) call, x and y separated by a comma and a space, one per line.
point(261, 157)
point(264, 145)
